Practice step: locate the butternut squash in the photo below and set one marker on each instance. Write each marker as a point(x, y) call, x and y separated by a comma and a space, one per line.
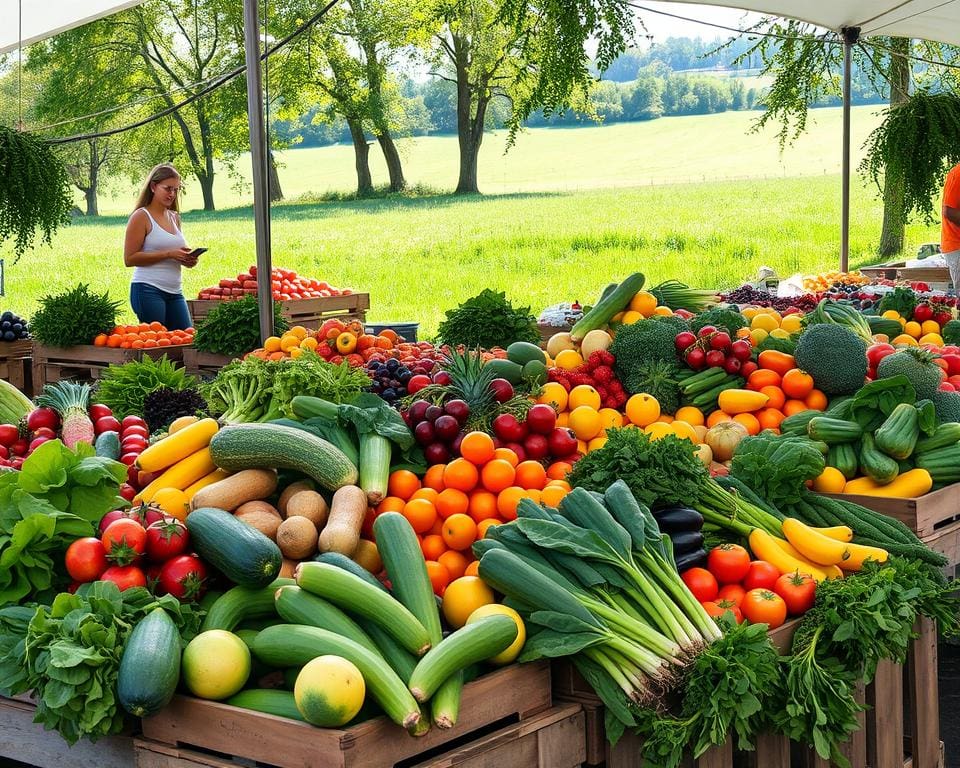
point(308, 504)
point(262, 516)
point(342, 531)
point(231, 492)
point(214, 477)
point(177, 446)
point(297, 538)
point(367, 556)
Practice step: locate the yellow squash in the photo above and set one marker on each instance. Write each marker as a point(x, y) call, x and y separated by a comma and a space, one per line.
point(766, 547)
point(176, 447)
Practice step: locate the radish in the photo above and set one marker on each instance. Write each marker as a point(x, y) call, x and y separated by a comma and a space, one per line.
point(71, 401)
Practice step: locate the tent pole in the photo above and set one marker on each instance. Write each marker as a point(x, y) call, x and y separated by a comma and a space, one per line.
point(850, 36)
point(258, 156)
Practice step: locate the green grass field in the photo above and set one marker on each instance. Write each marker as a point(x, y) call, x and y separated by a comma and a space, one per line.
point(609, 210)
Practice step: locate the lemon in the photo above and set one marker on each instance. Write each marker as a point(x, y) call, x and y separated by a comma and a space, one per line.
point(462, 597)
point(495, 609)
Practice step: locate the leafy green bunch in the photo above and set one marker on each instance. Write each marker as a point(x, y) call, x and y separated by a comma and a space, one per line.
point(487, 320)
point(233, 327)
point(74, 317)
point(125, 387)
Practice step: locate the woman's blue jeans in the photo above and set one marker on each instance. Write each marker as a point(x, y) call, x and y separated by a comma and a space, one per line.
point(151, 304)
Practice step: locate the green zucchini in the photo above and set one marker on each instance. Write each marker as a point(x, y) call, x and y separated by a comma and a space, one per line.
point(375, 453)
point(150, 666)
point(830, 430)
point(239, 551)
point(298, 606)
point(886, 326)
point(241, 603)
point(843, 456)
point(898, 434)
point(608, 305)
point(246, 446)
point(943, 464)
point(270, 701)
point(107, 445)
point(946, 434)
point(353, 593)
point(875, 464)
point(344, 562)
point(292, 645)
point(468, 645)
point(797, 424)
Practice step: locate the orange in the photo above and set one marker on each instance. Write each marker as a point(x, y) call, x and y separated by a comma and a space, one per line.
point(507, 455)
point(534, 494)
point(643, 302)
point(454, 562)
point(114, 341)
point(775, 396)
point(763, 377)
point(434, 477)
point(797, 384)
point(461, 474)
point(156, 325)
point(554, 394)
point(497, 475)
point(403, 483)
point(749, 421)
point(684, 430)
point(794, 406)
point(462, 597)
point(816, 400)
point(690, 414)
point(658, 429)
point(433, 546)
point(559, 470)
point(138, 344)
point(391, 504)
point(439, 576)
point(559, 483)
point(483, 505)
point(459, 531)
point(484, 525)
point(426, 493)
point(583, 394)
point(100, 340)
point(477, 447)
point(585, 422)
point(642, 409)
point(452, 502)
point(473, 569)
point(610, 418)
point(568, 359)
point(272, 344)
point(531, 475)
point(420, 513)
point(437, 529)
point(507, 501)
point(770, 418)
point(552, 494)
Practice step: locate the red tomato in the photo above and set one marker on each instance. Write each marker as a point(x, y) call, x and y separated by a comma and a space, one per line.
point(9, 434)
point(922, 312)
point(761, 575)
point(124, 576)
point(98, 411)
point(133, 444)
point(701, 584)
point(418, 382)
point(127, 491)
point(732, 593)
point(729, 563)
point(86, 559)
point(165, 539)
point(106, 424)
point(184, 577)
point(876, 353)
point(953, 364)
point(152, 574)
point(125, 541)
point(798, 591)
point(43, 417)
point(762, 606)
point(717, 608)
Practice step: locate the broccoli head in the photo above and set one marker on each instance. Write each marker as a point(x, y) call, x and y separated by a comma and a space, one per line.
point(951, 332)
point(658, 379)
point(722, 318)
point(646, 341)
point(835, 356)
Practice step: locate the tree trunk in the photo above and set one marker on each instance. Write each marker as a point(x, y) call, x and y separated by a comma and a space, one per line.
point(469, 124)
point(894, 216)
point(362, 151)
point(276, 193)
point(90, 192)
point(392, 156)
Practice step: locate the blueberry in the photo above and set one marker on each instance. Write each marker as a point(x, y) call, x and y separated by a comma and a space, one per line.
point(393, 364)
point(389, 394)
point(9, 336)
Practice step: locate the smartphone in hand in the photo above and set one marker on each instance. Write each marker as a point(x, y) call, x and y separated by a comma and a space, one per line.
point(197, 251)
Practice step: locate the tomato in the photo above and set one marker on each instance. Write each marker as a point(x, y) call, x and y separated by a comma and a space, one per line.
point(717, 608)
point(43, 417)
point(20, 447)
point(732, 593)
point(761, 575)
point(127, 491)
point(132, 421)
point(152, 574)
point(761, 606)
point(184, 577)
point(98, 411)
point(952, 361)
point(876, 353)
point(542, 419)
point(129, 457)
point(133, 444)
point(9, 434)
point(125, 541)
point(701, 584)
point(124, 576)
point(86, 559)
point(729, 563)
point(165, 539)
point(798, 591)
point(36, 443)
point(922, 312)
point(106, 424)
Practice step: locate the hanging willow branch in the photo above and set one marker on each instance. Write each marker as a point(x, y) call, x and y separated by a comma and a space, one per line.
point(34, 189)
point(916, 144)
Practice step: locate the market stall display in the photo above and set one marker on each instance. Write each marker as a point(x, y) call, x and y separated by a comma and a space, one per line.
point(727, 518)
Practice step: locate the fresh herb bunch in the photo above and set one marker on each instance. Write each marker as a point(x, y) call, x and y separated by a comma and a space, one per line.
point(72, 318)
point(35, 190)
point(488, 320)
point(233, 327)
point(901, 300)
point(68, 654)
point(125, 387)
point(723, 318)
point(163, 405)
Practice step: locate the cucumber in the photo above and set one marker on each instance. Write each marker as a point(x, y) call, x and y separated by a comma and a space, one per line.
point(468, 645)
point(608, 305)
point(351, 592)
point(246, 446)
point(505, 369)
point(239, 551)
point(946, 434)
point(242, 603)
point(271, 701)
point(843, 456)
point(298, 606)
point(107, 445)
point(898, 435)
point(875, 464)
point(830, 430)
point(150, 666)
point(292, 645)
point(344, 562)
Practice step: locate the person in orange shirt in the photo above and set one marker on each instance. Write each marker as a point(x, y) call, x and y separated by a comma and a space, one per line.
point(950, 225)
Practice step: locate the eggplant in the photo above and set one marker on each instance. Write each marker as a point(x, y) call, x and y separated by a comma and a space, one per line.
point(695, 559)
point(687, 541)
point(678, 519)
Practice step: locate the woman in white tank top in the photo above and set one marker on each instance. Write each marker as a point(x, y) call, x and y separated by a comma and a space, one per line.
point(156, 249)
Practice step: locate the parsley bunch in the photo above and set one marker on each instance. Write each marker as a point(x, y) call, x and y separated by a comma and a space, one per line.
point(488, 320)
point(233, 327)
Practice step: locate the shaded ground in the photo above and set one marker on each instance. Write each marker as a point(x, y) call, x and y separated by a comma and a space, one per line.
point(949, 673)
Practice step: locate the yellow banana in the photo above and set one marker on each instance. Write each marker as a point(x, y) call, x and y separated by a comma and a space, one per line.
point(766, 547)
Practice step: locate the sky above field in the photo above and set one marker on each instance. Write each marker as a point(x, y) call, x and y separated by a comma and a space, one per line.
point(661, 20)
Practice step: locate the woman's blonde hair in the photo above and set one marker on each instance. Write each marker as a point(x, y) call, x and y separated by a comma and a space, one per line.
point(159, 173)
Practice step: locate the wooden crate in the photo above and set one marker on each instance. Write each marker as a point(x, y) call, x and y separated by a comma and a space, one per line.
point(25, 741)
point(882, 271)
point(506, 696)
point(87, 362)
point(924, 515)
point(308, 312)
point(552, 739)
point(204, 364)
point(15, 364)
point(925, 274)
